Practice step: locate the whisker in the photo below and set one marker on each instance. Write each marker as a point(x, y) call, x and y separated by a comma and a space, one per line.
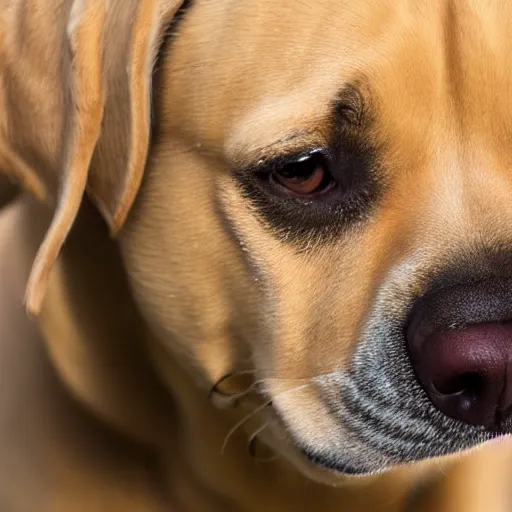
point(240, 423)
point(257, 372)
point(258, 382)
point(247, 417)
point(441, 468)
point(224, 400)
point(255, 434)
point(319, 376)
point(252, 446)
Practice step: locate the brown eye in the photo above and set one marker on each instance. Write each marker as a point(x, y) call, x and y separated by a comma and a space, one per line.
point(305, 177)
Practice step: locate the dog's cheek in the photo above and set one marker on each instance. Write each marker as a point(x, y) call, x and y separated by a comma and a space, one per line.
point(313, 301)
point(185, 272)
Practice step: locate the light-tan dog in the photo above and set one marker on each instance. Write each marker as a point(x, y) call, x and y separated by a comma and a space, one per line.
point(304, 302)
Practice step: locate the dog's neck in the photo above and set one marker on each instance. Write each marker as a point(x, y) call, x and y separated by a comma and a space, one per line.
point(108, 357)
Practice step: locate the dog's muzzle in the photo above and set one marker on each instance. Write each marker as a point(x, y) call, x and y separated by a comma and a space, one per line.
point(431, 374)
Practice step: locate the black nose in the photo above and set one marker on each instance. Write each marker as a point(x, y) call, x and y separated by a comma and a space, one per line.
point(465, 368)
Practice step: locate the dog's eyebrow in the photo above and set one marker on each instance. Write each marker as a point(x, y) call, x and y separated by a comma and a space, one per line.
point(349, 107)
point(292, 139)
point(346, 116)
point(287, 144)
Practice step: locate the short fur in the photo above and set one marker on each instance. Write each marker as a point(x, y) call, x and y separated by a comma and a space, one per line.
point(213, 351)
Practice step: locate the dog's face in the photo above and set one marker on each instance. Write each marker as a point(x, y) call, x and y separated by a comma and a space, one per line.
point(328, 196)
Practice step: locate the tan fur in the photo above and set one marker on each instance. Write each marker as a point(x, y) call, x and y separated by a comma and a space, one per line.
point(78, 99)
point(139, 329)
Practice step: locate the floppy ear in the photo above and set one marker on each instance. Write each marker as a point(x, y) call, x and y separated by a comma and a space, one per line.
point(91, 99)
point(8, 190)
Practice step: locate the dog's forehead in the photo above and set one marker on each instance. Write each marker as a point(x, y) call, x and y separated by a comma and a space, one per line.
point(276, 67)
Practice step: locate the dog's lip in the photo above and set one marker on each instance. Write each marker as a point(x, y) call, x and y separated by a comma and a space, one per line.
point(317, 460)
point(339, 467)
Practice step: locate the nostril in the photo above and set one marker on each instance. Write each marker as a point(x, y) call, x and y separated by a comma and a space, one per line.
point(465, 372)
point(460, 346)
point(469, 384)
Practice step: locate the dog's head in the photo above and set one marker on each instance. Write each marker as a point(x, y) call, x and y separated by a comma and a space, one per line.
point(326, 202)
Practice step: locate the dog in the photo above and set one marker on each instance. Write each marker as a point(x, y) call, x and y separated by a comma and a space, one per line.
point(257, 240)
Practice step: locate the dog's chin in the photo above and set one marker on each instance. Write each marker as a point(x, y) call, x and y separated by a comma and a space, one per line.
point(320, 470)
point(319, 463)
point(333, 470)
point(337, 465)
point(334, 467)
point(327, 470)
